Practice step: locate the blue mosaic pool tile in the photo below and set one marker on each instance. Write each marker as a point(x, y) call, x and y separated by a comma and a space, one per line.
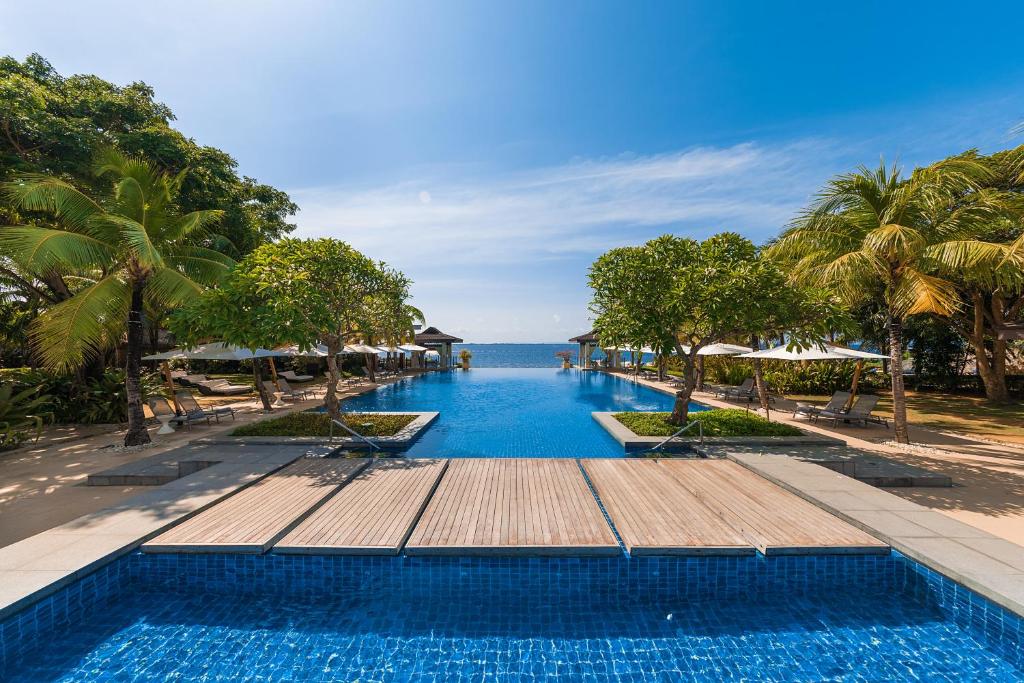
point(227, 617)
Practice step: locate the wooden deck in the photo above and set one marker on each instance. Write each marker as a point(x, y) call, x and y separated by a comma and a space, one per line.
point(774, 520)
point(373, 515)
point(655, 515)
point(254, 518)
point(512, 507)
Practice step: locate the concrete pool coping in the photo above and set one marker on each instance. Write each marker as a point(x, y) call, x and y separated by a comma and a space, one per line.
point(631, 441)
point(399, 441)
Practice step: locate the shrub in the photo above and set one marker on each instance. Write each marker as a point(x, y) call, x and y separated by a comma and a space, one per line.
point(717, 422)
point(790, 377)
point(319, 424)
point(21, 413)
point(70, 400)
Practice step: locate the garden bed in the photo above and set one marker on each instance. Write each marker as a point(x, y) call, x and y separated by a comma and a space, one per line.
point(717, 422)
point(319, 424)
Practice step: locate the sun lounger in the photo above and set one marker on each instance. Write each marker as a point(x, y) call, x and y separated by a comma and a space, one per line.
point(189, 404)
point(221, 387)
point(191, 380)
point(161, 406)
point(292, 377)
point(285, 390)
point(836, 404)
point(860, 412)
point(742, 391)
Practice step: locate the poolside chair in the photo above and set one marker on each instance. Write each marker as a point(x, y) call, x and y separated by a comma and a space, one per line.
point(284, 389)
point(221, 387)
point(161, 406)
point(860, 412)
point(191, 380)
point(291, 376)
point(189, 404)
point(742, 391)
point(836, 404)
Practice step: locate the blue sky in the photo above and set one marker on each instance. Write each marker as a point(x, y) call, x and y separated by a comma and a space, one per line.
point(492, 151)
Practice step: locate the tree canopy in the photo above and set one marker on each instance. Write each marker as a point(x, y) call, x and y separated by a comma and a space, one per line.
point(54, 125)
point(675, 293)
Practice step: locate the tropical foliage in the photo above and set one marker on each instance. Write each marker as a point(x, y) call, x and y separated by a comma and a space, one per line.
point(22, 413)
point(303, 292)
point(123, 249)
point(678, 294)
point(873, 234)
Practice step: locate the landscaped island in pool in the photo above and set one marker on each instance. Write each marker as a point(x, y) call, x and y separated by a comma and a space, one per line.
point(447, 619)
point(514, 412)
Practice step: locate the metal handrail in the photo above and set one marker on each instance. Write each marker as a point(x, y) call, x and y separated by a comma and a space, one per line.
point(352, 432)
point(700, 431)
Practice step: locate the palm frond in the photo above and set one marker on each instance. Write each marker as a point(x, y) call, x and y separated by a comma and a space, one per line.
point(35, 192)
point(895, 241)
point(76, 329)
point(852, 273)
point(135, 237)
point(197, 221)
point(168, 287)
point(201, 270)
point(919, 293)
point(40, 250)
point(962, 255)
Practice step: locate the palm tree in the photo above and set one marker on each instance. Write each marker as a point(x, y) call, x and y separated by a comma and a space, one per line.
point(131, 246)
point(874, 234)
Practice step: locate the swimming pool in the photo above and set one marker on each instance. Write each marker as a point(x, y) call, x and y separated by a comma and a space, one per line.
point(441, 619)
point(514, 412)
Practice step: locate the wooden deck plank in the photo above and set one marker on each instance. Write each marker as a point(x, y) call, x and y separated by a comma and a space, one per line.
point(254, 518)
point(655, 515)
point(372, 515)
point(514, 506)
point(774, 520)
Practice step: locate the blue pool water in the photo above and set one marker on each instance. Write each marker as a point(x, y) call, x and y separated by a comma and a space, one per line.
point(309, 618)
point(514, 412)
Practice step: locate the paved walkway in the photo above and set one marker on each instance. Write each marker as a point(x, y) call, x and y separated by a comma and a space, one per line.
point(43, 485)
point(988, 490)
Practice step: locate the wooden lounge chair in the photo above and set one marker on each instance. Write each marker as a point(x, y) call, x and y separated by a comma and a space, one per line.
point(860, 412)
point(161, 406)
point(189, 404)
point(292, 377)
point(836, 404)
point(221, 387)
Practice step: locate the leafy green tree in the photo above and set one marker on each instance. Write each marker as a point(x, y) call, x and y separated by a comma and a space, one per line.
point(54, 125)
point(125, 247)
point(298, 292)
point(874, 234)
point(674, 293)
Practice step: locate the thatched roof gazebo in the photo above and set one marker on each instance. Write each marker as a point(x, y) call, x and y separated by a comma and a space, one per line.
point(435, 339)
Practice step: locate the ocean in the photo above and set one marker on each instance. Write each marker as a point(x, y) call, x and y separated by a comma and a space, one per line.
point(521, 355)
point(515, 355)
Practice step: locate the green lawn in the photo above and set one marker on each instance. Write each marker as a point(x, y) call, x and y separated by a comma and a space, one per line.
point(717, 422)
point(318, 424)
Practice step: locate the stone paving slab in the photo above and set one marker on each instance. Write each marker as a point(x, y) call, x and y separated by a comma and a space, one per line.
point(987, 564)
point(40, 565)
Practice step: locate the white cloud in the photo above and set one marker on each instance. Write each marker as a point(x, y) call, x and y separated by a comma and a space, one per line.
point(581, 207)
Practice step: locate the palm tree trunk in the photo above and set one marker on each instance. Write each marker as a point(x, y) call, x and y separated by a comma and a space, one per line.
point(899, 397)
point(136, 434)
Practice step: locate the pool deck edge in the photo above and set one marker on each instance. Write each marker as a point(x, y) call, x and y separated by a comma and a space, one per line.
point(988, 565)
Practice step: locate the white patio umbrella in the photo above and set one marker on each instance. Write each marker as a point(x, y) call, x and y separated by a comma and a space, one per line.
point(212, 351)
point(723, 350)
point(413, 348)
point(821, 352)
point(318, 351)
point(362, 348)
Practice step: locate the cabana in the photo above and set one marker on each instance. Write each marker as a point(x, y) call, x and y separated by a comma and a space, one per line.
point(588, 343)
point(436, 340)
